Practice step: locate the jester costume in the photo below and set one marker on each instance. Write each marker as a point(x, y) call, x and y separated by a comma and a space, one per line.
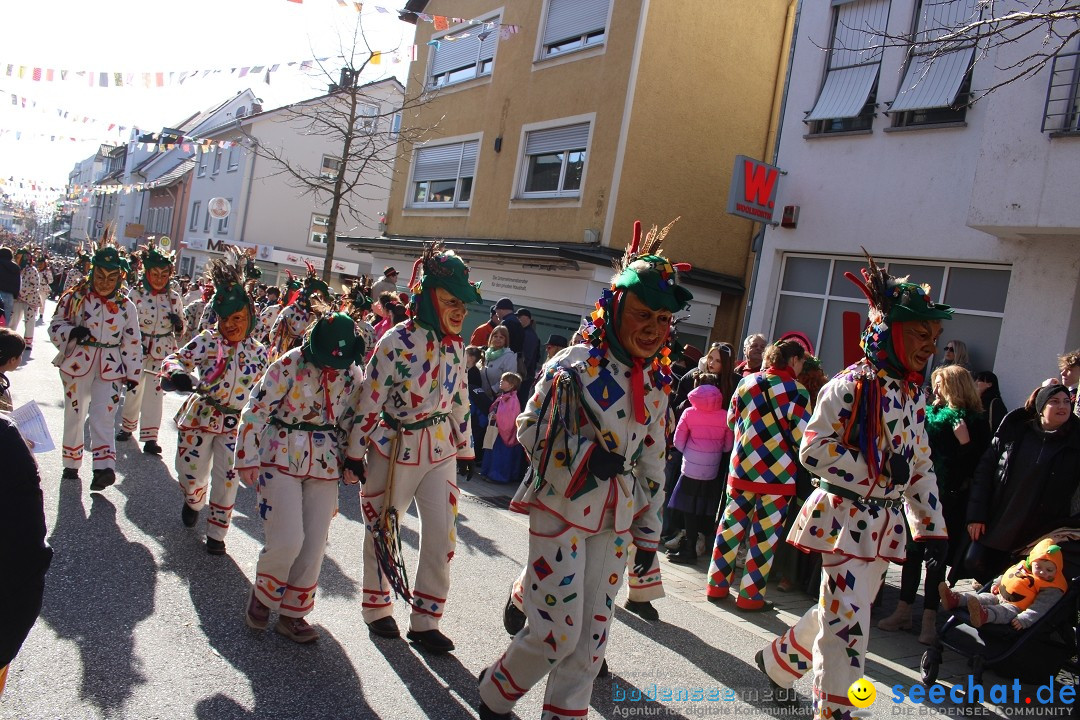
point(413, 424)
point(161, 323)
point(77, 272)
point(97, 333)
point(594, 429)
point(28, 303)
point(293, 431)
point(227, 369)
point(866, 445)
point(295, 317)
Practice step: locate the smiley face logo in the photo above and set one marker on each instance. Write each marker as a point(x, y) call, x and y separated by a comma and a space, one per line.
point(862, 693)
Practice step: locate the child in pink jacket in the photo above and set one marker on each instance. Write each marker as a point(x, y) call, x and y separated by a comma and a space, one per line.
point(704, 438)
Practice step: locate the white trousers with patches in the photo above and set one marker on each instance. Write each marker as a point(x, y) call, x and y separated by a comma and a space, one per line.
point(641, 588)
point(434, 487)
point(570, 586)
point(202, 457)
point(21, 312)
point(90, 396)
point(144, 402)
point(296, 515)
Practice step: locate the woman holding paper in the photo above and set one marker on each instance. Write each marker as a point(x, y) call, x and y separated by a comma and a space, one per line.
point(11, 350)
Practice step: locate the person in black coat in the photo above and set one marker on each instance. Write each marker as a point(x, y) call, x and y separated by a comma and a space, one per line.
point(10, 281)
point(24, 554)
point(504, 310)
point(1027, 484)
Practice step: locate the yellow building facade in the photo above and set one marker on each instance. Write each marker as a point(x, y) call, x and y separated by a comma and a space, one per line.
point(552, 125)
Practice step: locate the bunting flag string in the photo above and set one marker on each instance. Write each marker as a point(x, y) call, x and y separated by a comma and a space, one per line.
point(24, 103)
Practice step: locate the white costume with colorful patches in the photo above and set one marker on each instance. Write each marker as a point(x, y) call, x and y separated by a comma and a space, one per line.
point(857, 539)
point(580, 533)
point(293, 428)
point(287, 331)
point(93, 370)
point(267, 317)
point(26, 306)
point(158, 340)
point(416, 392)
point(209, 420)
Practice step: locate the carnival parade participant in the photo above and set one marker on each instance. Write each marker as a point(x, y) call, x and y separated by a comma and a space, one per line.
point(161, 322)
point(295, 317)
point(291, 447)
point(97, 333)
point(595, 431)
point(29, 300)
point(867, 446)
point(413, 424)
point(77, 272)
point(227, 362)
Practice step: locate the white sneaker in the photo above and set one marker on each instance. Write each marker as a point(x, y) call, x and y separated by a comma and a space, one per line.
point(700, 547)
point(673, 543)
point(740, 557)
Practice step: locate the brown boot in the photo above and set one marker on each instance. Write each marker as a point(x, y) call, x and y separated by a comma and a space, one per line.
point(899, 620)
point(949, 600)
point(928, 633)
point(977, 611)
point(256, 615)
point(296, 629)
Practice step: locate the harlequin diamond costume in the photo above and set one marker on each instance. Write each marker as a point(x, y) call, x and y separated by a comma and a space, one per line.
point(595, 432)
point(866, 445)
point(161, 322)
point(292, 443)
point(97, 332)
point(227, 362)
point(28, 302)
point(295, 317)
point(413, 424)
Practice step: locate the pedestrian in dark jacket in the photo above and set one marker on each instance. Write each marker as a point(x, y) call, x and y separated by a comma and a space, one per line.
point(504, 309)
point(10, 281)
point(1026, 485)
point(24, 554)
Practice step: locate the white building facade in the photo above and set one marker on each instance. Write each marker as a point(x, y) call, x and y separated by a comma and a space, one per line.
point(979, 201)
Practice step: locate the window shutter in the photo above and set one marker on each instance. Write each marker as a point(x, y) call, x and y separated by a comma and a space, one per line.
point(443, 162)
point(451, 55)
point(933, 84)
point(854, 60)
point(573, 18)
point(571, 137)
point(468, 159)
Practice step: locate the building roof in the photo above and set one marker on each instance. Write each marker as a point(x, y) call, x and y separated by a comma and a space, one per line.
point(174, 176)
point(412, 246)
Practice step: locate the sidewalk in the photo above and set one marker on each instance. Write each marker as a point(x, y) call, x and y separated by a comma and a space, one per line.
point(893, 657)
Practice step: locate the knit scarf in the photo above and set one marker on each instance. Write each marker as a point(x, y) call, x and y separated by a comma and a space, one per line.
point(493, 354)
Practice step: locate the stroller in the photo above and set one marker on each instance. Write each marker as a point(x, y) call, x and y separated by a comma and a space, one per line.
point(1044, 649)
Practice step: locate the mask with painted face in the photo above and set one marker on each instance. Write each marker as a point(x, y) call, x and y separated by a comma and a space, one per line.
point(104, 281)
point(442, 312)
point(236, 326)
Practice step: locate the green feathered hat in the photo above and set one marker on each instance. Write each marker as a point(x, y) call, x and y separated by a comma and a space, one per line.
point(107, 256)
point(332, 342)
point(314, 284)
point(153, 257)
point(439, 268)
point(227, 274)
point(27, 255)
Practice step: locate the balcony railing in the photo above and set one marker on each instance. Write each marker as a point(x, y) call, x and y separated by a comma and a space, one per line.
point(1062, 111)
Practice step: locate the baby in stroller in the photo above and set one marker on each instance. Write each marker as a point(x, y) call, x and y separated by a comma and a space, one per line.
point(1021, 595)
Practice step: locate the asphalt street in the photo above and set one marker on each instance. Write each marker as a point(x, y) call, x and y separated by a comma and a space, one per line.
point(140, 622)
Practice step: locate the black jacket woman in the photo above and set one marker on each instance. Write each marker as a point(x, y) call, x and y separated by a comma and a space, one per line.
point(1026, 485)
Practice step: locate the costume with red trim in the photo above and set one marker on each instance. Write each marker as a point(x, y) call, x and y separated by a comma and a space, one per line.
point(595, 432)
point(867, 446)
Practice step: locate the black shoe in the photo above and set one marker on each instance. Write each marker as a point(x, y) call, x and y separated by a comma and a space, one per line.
point(189, 516)
point(513, 619)
point(431, 640)
point(781, 694)
point(123, 435)
point(384, 627)
point(487, 713)
point(604, 672)
point(70, 474)
point(102, 479)
point(151, 447)
point(214, 547)
point(644, 610)
point(685, 556)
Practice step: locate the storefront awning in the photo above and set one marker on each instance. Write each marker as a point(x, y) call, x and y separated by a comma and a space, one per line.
point(411, 247)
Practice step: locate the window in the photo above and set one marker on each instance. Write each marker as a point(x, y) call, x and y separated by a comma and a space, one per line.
point(195, 208)
point(367, 118)
point(936, 90)
point(463, 54)
point(202, 163)
point(573, 25)
point(555, 161)
point(330, 166)
point(443, 175)
point(395, 126)
point(815, 296)
point(206, 223)
point(223, 223)
point(1062, 110)
point(848, 95)
point(217, 161)
point(234, 159)
point(320, 226)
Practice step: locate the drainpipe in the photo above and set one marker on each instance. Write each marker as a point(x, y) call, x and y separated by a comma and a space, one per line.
point(759, 238)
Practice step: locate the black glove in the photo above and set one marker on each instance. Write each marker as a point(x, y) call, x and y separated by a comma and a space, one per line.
point(899, 470)
point(130, 385)
point(934, 552)
point(181, 382)
point(358, 468)
point(177, 323)
point(605, 464)
point(643, 561)
point(79, 332)
point(465, 467)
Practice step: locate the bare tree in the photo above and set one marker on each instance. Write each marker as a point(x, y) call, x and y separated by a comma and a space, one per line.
point(365, 137)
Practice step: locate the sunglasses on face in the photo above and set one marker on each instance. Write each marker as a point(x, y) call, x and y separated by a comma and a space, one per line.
point(950, 348)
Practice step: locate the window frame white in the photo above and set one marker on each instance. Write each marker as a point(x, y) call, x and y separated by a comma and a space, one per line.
point(324, 174)
point(216, 165)
point(223, 223)
point(233, 163)
point(523, 172)
point(193, 224)
point(482, 67)
point(311, 241)
point(367, 118)
point(457, 202)
point(589, 38)
point(202, 163)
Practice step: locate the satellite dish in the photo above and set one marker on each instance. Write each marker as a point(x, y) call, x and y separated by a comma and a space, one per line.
point(219, 208)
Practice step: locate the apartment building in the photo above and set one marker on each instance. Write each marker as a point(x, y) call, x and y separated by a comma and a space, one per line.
point(883, 150)
point(554, 125)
